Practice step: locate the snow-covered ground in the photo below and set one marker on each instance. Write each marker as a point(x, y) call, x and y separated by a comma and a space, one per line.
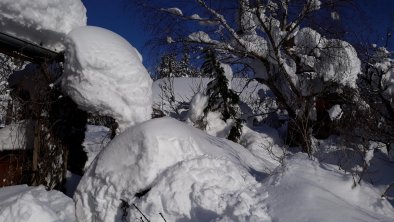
point(32, 204)
point(44, 22)
point(187, 175)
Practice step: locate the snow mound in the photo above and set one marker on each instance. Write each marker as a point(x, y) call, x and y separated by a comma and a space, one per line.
point(183, 160)
point(203, 189)
point(305, 190)
point(104, 74)
point(31, 204)
point(264, 144)
point(43, 22)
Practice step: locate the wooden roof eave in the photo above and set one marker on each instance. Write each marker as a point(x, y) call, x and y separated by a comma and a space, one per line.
point(25, 50)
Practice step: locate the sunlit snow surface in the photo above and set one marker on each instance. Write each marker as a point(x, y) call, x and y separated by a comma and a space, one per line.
point(34, 204)
point(165, 166)
point(104, 74)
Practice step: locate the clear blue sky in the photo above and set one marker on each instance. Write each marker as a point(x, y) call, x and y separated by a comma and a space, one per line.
point(116, 16)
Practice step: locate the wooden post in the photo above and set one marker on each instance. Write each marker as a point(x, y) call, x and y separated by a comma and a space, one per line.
point(36, 151)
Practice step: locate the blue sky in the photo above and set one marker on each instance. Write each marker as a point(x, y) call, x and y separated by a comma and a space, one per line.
point(117, 16)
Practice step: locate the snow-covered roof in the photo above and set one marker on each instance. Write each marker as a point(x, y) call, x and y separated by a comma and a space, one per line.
point(43, 22)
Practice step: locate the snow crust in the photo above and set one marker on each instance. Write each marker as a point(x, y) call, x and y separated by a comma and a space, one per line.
point(140, 158)
point(43, 22)
point(104, 74)
point(32, 204)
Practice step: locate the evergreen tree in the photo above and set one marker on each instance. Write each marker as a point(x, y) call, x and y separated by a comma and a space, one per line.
point(220, 97)
point(186, 68)
point(170, 66)
point(167, 66)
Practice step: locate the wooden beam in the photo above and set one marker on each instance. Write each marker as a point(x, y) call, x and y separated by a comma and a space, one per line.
point(19, 48)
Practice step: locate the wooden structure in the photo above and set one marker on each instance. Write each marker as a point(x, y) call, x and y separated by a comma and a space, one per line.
point(32, 164)
point(15, 47)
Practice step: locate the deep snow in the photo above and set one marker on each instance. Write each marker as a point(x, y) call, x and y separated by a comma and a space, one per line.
point(34, 204)
point(187, 175)
point(135, 159)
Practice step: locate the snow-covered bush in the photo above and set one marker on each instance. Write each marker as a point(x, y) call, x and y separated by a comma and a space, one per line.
point(202, 171)
point(377, 89)
point(218, 104)
point(104, 74)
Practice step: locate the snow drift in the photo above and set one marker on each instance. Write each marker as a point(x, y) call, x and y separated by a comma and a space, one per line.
point(305, 190)
point(104, 74)
point(43, 22)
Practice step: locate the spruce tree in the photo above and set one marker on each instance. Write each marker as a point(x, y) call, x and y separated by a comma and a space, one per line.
point(220, 97)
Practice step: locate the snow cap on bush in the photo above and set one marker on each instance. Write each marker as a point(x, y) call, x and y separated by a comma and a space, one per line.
point(104, 74)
